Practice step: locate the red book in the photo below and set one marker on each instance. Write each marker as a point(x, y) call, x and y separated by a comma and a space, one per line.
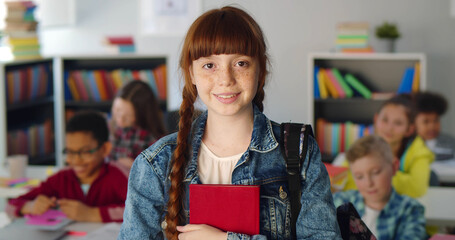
point(442, 237)
point(121, 40)
point(233, 208)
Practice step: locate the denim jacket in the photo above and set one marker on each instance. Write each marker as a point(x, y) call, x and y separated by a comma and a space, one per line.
point(262, 164)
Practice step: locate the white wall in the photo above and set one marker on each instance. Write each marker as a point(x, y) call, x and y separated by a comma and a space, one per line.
point(293, 29)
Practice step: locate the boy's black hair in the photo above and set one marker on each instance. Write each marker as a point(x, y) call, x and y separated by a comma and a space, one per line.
point(431, 102)
point(90, 122)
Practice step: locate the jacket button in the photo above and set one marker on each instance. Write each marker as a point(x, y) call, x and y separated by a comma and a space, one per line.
point(283, 194)
point(164, 224)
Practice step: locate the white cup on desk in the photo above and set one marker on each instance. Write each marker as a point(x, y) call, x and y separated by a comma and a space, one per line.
point(17, 164)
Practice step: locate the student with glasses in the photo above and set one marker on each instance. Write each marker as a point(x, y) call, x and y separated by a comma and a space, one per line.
point(89, 189)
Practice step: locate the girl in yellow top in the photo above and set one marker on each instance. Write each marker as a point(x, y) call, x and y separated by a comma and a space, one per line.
point(395, 123)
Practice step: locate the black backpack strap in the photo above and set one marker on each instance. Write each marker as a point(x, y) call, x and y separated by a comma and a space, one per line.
point(294, 145)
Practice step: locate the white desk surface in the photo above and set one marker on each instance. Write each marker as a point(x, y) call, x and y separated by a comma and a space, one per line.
point(439, 205)
point(445, 170)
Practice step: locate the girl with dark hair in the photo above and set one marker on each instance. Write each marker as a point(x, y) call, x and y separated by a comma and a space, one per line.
point(224, 63)
point(137, 122)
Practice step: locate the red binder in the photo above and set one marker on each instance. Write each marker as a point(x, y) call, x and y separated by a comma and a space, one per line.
point(233, 208)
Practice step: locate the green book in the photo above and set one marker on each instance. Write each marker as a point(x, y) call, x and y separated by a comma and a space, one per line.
point(358, 86)
point(347, 90)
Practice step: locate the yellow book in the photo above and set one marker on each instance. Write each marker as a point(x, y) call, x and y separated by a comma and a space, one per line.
point(322, 87)
point(330, 87)
point(416, 79)
point(23, 41)
point(100, 84)
point(116, 76)
point(73, 88)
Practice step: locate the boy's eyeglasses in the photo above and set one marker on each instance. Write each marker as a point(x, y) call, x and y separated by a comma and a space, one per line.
point(83, 154)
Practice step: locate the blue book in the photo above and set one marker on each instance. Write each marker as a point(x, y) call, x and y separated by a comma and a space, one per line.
point(48, 75)
point(406, 81)
point(17, 86)
point(361, 130)
point(93, 86)
point(152, 82)
point(316, 84)
point(67, 92)
point(126, 48)
point(35, 81)
point(335, 138)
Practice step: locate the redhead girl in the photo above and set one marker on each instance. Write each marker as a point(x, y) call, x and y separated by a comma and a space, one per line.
point(224, 63)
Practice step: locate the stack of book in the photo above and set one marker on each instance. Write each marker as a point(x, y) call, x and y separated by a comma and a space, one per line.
point(352, 37)
point(122, 44)
point(21, 29)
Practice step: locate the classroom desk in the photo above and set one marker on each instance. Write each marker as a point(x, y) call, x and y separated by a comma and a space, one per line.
point(445, 171)
point(439, 206)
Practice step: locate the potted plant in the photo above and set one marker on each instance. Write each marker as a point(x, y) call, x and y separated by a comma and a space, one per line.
point(389, 32)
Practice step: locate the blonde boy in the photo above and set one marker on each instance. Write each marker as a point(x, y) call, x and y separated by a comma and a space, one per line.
point(387, 214)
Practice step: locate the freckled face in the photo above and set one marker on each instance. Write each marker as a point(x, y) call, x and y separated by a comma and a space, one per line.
point(226, 83)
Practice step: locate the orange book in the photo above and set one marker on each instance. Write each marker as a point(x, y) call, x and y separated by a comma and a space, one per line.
point(416, 79)
point(102, 89)
point(160, 79)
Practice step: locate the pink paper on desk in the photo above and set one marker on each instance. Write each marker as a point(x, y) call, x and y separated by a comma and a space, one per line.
point(49, 218)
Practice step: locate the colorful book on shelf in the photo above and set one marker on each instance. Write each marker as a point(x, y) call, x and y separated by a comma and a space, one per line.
point(347, 90)
point(323, 92)
point(358, 86)
point(117, 77)
point(335, 138)
point(148, 74)
point(416, 79)
point(328, 138)
point(316, 91)
point(102, 88)
point(406, 81)
point(233, 208)
point(73, 88)
point(67, 94)
point(160, 78)
point(342, 138)
point(108, 84)
point(80, 85)
point(330, 87)
point(93, 85)
point(36, 79)
point(335, 83)
point(320, 124)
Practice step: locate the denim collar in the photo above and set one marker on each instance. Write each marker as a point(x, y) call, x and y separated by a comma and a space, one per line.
point(263, 140)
